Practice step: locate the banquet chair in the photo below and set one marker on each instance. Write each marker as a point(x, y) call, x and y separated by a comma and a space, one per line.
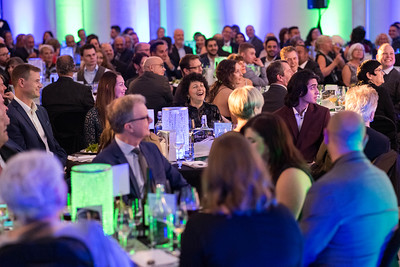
point(68, 130)
point(46, 252)
point(389, 257)
point(387, 127)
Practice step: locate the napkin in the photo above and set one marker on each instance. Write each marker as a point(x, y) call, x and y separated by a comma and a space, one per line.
point(82, 158)
point(195, 164)
point(159, 257)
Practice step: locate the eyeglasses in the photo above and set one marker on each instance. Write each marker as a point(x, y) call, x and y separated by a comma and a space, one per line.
point(196, 67)
point(139, 119)
point(160, 65)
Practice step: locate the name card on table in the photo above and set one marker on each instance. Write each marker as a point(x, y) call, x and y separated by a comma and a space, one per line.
point(151, 115)
point(121, 180)
point(170, 199)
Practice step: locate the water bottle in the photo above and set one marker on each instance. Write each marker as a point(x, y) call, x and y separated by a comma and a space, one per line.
point(161, 222)
point(158, 125)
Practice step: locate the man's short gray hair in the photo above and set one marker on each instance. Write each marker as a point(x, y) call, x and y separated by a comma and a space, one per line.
point(120, 111)
point(32, 185)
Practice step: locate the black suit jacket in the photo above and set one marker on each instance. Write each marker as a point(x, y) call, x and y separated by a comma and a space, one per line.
point(274, 98)
point(155, 88)
point(258, 45)
point(392, 84)
point(23, 53)
point(162, 170)
point(174, 56)
point(126, 56)
point(22, 131)
point(310, 137)
point(377, 144)
point(314, 67)
point(9, 149)
point(65, 95)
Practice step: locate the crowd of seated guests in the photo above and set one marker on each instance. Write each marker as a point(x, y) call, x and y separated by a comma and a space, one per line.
point(266, 183)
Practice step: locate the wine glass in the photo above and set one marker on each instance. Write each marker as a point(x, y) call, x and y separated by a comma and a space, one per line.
point(180, 220)
point(190, 199)
point(124, 222)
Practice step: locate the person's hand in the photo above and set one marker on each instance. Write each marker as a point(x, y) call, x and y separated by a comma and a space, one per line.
point(338, 59)
point(9, 96)
point(258, 62)
point(167, 60)
point(32, 55)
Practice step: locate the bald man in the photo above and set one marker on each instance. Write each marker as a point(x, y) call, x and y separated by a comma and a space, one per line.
point(391, 76)
point(153, 85)
point(179, 49)
point(350, 213)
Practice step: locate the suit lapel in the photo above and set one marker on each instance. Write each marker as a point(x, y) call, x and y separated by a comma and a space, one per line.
point(26, 118)
point(45, 126)
point(293, 128)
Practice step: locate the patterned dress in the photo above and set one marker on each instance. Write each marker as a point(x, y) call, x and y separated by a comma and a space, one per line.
point(93, 127)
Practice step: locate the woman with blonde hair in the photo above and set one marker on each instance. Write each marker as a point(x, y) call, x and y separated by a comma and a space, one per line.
point(245, 227)
point(244, 103)
point(355, 56)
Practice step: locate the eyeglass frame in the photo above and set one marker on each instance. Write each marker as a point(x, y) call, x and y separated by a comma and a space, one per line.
point(139, 119)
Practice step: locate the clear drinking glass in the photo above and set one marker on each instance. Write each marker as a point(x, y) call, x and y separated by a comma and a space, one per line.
point(124, 222)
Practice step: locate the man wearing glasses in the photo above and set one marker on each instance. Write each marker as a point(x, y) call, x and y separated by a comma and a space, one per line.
point(188, 64)
point(153, 85)
point(129, 120)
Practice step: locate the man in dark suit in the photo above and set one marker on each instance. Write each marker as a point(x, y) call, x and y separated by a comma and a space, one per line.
point(129, 120)
point(92, 72)
point(66, 96)
point(213, 51)
point(121, 52)
point(153, 85)
point(254, 40)
point(278, 74)
point(118, 65)
point(306, 63)
point(392, 77)
point(8, 148)
point(228, 45)
point(29, 124)
point(271, 46)
point(29, 50)
point(4, 58)
point(179, 49)
point(160, 49)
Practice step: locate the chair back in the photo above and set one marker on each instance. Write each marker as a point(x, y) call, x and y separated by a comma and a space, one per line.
point(387, 127)
point(68, 130)
point(49, 251)
point(392, 247)
point(390, 163)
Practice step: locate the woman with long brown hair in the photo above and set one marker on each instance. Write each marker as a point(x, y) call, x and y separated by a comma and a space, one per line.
point(229, 75)
point(270, 137)
point(111, 86)
point(242, 225)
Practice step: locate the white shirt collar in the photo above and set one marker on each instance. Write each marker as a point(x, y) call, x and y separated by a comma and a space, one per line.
point(125, 148)
point(302, 66)
point(386, 71)
point(95, 69)
point(27, 108)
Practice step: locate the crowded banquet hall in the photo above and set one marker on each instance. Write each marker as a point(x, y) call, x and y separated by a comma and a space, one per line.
point(199, 133)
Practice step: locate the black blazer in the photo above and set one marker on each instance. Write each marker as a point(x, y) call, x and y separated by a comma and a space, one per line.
point(174, 56)
point(23, 53)
point(314, 67)
point(22, 131)
point(258, 45)
point(65, 95)
point(274, 98)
